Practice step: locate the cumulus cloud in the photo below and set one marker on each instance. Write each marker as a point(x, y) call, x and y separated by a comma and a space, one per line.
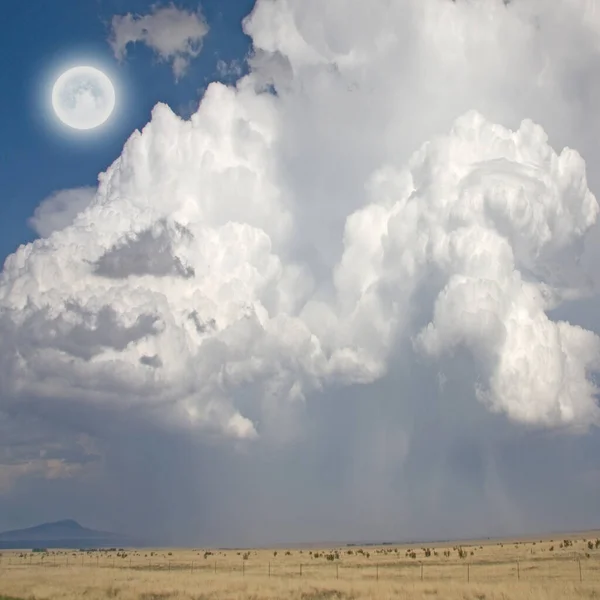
point(359, 249)
point(60, 209)
point(175, 301)
point(174, 34)
point(473, 219)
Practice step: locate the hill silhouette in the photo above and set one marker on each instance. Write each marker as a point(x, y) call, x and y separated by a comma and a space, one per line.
point(60, 534)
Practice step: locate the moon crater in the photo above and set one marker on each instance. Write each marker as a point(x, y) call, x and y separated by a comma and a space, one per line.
point(83, 98)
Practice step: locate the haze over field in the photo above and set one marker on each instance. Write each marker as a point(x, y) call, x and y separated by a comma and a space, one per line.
point(353, 296)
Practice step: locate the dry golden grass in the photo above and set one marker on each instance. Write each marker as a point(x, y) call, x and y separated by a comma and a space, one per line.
point(509, 569)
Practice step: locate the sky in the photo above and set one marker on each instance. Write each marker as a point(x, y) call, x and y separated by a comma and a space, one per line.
point(51, 37)
point(329, 272)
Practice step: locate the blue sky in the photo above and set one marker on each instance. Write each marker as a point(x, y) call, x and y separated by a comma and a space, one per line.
point(36, 156)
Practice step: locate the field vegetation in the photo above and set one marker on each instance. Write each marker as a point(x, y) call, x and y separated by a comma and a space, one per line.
point(548, 569)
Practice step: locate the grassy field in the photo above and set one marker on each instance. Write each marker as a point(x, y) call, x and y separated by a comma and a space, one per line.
point(560, 568)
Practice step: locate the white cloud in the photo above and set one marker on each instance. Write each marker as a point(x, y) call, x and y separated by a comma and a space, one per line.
point(474, 219)
point(179, 305)
point(386, 199)
point(60, 209)
point(174, 34)
point(179, 283)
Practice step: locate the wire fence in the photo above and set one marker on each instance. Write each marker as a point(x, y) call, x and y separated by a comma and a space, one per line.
point(565, 569)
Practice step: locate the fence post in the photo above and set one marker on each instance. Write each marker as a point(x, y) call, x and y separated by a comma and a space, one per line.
point(518, 571)
point(377, 572)
point(269, 568)
point(468, 573)
point(243, 569)
point(421, 571)
point(579, 561)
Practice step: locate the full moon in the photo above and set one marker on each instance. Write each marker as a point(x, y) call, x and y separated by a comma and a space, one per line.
point(83, 97)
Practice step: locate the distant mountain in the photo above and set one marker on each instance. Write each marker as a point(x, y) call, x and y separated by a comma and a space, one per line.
point(61, 534)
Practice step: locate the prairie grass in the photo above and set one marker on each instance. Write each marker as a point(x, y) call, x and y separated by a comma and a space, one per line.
point(543, 569)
